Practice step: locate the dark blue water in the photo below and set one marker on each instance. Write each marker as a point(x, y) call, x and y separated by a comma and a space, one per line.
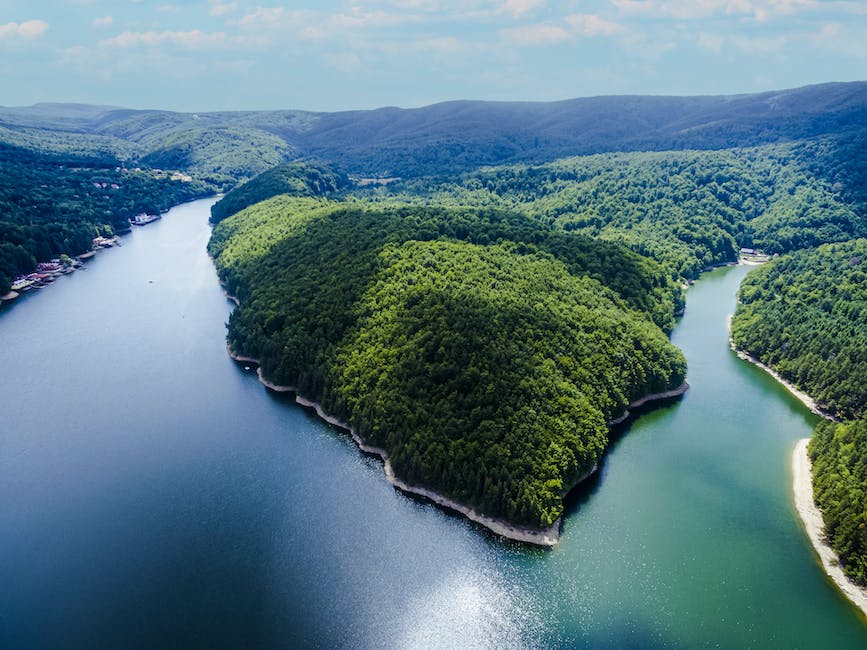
point(153, 494)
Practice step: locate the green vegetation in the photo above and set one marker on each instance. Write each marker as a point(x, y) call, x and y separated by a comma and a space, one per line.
point(689, 210)
point(295, 178)
point(805, 315)
point(483, 324)
point(226, 153)
point(47, 209)
point(839, 455)
point(484, 351)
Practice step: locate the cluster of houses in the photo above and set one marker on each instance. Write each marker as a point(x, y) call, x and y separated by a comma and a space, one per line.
point(45, 273)
point(48, 272)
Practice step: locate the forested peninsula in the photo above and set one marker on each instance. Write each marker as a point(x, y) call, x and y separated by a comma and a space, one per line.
point(406, 309)
point(476, 347)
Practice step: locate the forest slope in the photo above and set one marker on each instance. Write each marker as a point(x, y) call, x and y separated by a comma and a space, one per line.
point(473, 345)
point(461, 135)
point(805, 315)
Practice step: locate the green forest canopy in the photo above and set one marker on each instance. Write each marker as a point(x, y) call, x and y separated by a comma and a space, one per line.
point(478, 347)
point(805, 314)
point(839, 455)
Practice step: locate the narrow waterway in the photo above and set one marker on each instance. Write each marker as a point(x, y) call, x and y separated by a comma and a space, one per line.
point(154, 494)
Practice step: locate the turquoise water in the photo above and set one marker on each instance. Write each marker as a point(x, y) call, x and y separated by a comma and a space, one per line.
point(154, 494)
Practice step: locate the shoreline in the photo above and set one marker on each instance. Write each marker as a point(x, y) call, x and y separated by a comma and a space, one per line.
point(652, 397)
point(804, 398)
point(545, 537)
point(811, 517)
point(802, 489)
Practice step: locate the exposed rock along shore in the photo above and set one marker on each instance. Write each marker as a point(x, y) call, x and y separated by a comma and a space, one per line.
point(547, 537)
point(666, 394)
point(805, 399)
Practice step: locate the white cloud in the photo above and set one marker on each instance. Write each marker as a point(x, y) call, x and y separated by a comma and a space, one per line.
point(540, 34)
point(105, 21)
point(27, 30)
point(518, 8)
point(592, 25)
point(218, 8)
point(573, 26)
point(191, 40)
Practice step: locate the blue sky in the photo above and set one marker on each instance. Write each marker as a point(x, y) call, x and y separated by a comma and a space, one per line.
point(333, 55)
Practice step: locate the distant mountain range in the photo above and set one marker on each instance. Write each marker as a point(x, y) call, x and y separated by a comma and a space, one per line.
point(446, 137)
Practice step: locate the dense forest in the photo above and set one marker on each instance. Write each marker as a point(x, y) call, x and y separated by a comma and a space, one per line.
point(839, 455)
point(295, 178)
point(484, 351)
point(689, 210)
point(805, 314)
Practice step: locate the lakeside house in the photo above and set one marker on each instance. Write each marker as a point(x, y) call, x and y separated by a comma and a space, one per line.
point(143, 219)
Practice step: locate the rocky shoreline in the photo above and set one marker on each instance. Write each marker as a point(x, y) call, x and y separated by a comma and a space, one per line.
point(546, 537)
point(805, 399)
point(653, 397)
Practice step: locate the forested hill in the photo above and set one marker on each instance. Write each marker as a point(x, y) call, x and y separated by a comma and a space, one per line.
point(453, 136)
point(686, 209)
point(484, 351)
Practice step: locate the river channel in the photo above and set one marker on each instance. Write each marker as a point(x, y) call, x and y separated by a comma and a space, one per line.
point(153, 494)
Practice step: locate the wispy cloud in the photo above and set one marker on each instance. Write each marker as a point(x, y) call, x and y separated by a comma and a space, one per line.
point(312, 25)
point(518, 8)
point(28, 30)
point(218, 8)
point(592, 25)
point(539, 34)
point(573, 26)
point(192, 40)
point(697, 9)
point(103, 22)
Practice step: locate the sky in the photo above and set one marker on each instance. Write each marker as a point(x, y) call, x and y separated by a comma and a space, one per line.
point(332, 55)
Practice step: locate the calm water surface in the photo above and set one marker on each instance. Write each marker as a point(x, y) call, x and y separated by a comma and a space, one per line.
point(154, 494)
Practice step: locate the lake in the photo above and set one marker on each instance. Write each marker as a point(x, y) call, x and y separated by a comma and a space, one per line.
point(154, 494)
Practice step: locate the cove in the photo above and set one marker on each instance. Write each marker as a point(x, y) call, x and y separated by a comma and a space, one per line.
point(154, 494)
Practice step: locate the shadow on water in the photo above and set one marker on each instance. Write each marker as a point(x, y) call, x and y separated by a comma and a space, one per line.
point(579, 495)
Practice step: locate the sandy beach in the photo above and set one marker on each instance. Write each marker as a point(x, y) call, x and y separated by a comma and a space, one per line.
point(812, 518)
